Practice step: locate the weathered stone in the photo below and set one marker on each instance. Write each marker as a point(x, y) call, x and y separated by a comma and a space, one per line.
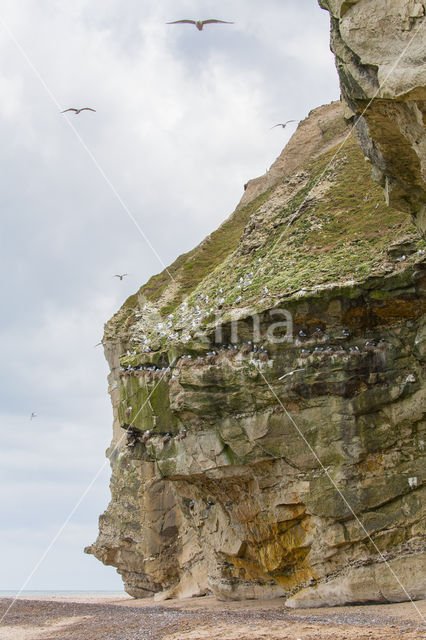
point(380, 59)
point(266, 467)
point(356, 583)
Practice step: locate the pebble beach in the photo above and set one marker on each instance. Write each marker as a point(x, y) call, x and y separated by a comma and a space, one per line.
point(122, 618)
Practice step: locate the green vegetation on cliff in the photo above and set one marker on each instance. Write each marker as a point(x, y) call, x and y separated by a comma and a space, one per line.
point(325, 222)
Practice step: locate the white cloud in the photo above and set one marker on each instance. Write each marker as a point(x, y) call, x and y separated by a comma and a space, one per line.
point(183, 120)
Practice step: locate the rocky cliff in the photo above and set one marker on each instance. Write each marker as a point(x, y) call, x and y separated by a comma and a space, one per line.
point(268, 396)
point(380, 57)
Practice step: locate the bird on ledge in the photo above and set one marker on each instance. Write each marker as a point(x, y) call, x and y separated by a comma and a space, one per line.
point(200, 23)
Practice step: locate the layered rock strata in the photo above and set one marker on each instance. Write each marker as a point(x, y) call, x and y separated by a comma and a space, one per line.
point(269, 403)
point(380, 57)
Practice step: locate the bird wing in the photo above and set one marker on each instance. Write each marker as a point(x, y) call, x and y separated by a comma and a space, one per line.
point(72, 109)
point(182, 21)
point(212, 20)
point(87, 109)
point(277, 125)
point(290, 121)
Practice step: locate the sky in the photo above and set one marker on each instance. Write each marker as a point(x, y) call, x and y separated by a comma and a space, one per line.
point(183, 119)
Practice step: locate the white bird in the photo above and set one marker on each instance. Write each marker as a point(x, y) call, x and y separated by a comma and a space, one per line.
point(290, 373)
point(123, 275)
point(77, 111)
point(33, 415)
point(283, 124)
point(200, 23)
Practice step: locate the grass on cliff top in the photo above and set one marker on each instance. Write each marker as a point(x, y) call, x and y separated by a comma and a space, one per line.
point(340, 235)
point(191, 268)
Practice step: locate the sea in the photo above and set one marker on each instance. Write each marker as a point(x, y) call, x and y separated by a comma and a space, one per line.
point(57, 592)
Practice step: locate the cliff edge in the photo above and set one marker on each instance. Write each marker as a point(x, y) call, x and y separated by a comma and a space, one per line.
point(268, 396)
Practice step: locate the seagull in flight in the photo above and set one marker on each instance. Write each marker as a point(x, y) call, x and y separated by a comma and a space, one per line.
point(200, 23)
point(77, 111)
point(123, 275)
point(33, 415)
point(283, 124)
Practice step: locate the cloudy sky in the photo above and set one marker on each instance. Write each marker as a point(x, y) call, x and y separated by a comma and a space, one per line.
point(182, 122)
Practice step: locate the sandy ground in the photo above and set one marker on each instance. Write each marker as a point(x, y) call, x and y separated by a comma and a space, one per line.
point(122, 618)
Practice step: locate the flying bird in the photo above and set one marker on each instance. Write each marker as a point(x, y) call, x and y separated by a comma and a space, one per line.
point(33, 415)
point(283, 124)
point(77, 111)
point(123, 275)
point(200, 23)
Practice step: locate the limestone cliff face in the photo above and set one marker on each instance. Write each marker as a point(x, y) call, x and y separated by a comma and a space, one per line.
point(379, 50)
point(269, 402)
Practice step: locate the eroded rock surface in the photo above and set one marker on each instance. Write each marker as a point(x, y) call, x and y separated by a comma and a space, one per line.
point(380, 57)
point(254, 459)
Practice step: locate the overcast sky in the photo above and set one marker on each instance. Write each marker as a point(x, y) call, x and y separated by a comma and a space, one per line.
point(182, 122)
